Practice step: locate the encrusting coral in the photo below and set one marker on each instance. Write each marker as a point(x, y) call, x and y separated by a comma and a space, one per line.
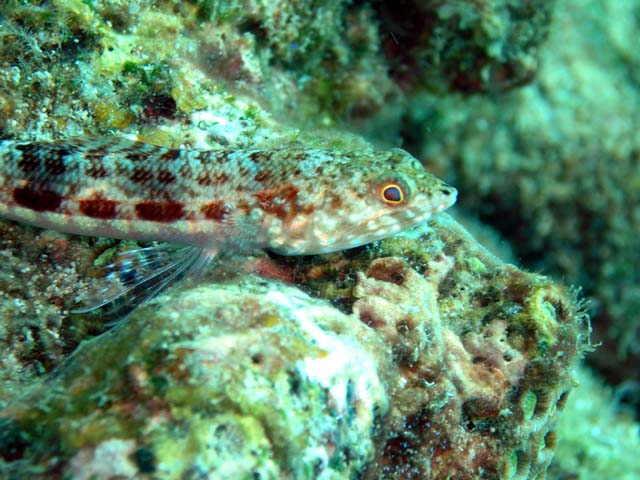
point(248, 379)
point(484, 361)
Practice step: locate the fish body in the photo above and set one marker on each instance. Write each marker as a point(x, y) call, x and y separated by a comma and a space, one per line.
point(293, 201)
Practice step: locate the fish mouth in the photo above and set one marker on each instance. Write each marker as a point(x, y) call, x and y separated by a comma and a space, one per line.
point(420, 216)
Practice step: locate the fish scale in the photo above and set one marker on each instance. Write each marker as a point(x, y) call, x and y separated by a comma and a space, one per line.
point(293, 201)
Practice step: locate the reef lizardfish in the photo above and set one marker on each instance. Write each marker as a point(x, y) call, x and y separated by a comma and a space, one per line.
point(293, 201)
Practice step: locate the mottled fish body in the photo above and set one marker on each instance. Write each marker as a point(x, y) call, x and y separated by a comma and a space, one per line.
point(293, 201)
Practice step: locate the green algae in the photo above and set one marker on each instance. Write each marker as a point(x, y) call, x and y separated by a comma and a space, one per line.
point(215, 443)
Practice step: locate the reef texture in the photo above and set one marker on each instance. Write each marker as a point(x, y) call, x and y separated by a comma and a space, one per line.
point(219, 70)
point(479, 356)
point(470, 47)
point(245, 380)
point(554, 166)
point(458, 370)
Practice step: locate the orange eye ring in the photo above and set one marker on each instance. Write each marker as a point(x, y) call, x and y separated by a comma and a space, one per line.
point(392, 194)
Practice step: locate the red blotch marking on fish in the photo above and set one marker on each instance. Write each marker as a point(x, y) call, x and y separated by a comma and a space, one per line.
point(216, 210)
point(165, 212)
point(37, 200)
point(263, 176)
point(278, 201)
point(99, 208)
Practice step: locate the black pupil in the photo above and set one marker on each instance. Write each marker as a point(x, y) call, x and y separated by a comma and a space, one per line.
point(392, 194)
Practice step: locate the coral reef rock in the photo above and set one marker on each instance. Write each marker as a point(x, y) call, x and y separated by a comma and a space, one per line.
point(469, 47)
point(457, 371)
point(554, 166)
point(246, 380)
point(484, 354)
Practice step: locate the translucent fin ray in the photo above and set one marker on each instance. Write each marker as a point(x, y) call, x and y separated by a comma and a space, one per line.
point(139, 274)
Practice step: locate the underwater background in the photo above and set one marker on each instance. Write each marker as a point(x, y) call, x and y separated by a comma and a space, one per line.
point(499, 340)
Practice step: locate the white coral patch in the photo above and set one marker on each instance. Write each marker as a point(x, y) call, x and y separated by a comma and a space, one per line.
point(109, 459)
point(342, 363)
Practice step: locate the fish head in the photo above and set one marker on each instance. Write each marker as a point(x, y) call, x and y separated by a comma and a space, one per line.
point(360, 198)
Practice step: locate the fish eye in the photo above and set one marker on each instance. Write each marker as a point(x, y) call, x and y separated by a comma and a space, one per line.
point(392, 194)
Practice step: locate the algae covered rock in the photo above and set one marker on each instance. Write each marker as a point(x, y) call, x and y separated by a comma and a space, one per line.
point(247, 380)
point(463, 46)
point(554, 166)
point(485, 355)
point(460, 369)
